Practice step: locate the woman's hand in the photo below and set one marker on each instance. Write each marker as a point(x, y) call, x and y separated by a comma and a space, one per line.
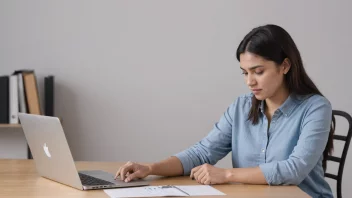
point(208, 174)
point(132, 170)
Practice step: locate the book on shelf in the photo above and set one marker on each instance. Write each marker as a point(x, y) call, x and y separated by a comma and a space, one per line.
point(13, 99)
point(30, 91)
point(19, 93)
point(49, 96)
point(4, 99)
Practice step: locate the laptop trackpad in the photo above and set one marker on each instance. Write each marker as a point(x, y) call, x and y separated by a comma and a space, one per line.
point(110, 177)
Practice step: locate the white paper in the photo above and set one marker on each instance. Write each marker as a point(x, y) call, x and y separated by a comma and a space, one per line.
point(200, 190)
point(161, 191)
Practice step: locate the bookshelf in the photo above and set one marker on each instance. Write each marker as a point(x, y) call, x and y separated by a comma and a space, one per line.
point(16, 125)
point(10, 126)
point(19, 93)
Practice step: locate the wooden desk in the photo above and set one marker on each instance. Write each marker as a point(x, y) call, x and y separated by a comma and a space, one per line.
point(18, 178)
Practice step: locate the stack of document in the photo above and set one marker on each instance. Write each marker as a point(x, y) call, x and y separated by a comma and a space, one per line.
point(163, 191)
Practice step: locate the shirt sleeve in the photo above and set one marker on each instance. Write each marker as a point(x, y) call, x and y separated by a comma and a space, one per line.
point(212, 148)
point(314, 135)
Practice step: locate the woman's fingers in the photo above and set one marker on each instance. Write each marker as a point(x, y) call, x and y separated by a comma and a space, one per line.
point(123, 170)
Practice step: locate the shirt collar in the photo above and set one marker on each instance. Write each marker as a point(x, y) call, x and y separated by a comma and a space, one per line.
point(289, 105)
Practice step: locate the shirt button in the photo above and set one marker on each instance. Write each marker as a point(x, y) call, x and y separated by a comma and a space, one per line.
point(263, 150)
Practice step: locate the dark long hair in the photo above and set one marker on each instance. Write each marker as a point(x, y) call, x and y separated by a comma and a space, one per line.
point(273, 43)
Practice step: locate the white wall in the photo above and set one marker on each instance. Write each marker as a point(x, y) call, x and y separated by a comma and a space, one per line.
point(142, 80)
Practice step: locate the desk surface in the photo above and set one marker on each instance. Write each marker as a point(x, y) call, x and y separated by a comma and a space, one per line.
point(18, 178)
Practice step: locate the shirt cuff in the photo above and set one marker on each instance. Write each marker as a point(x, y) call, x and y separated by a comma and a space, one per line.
point(267, 170)
point(186, 161)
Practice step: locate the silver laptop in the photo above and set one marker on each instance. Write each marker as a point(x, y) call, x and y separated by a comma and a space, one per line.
point(53, 158)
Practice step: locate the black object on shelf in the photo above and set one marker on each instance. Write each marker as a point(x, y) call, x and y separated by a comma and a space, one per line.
point(49, 96)
point(4, 99)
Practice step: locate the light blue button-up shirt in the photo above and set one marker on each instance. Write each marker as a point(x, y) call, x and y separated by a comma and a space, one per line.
point(290, 151)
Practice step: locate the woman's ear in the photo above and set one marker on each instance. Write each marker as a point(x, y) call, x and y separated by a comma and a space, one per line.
point(286, 65)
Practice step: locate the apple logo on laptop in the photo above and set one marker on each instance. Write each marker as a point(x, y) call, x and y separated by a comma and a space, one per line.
point(46, 150)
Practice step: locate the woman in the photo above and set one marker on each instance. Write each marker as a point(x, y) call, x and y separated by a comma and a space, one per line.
point(280, 134)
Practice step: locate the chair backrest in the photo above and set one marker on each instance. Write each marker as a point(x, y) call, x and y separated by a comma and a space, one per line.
point(340, 160)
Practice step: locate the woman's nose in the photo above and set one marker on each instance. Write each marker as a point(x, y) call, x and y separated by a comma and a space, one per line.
point(250, 80)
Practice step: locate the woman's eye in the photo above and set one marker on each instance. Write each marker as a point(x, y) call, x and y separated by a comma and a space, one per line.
point(259, 72)
point(245, 73)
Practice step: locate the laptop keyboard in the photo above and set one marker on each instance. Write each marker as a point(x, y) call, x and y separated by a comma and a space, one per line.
point(92, 181)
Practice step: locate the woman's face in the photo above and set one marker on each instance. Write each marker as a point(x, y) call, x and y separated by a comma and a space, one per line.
point(264, 78)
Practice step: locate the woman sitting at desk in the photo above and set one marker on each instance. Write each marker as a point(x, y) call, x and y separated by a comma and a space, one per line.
point(280, 134)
